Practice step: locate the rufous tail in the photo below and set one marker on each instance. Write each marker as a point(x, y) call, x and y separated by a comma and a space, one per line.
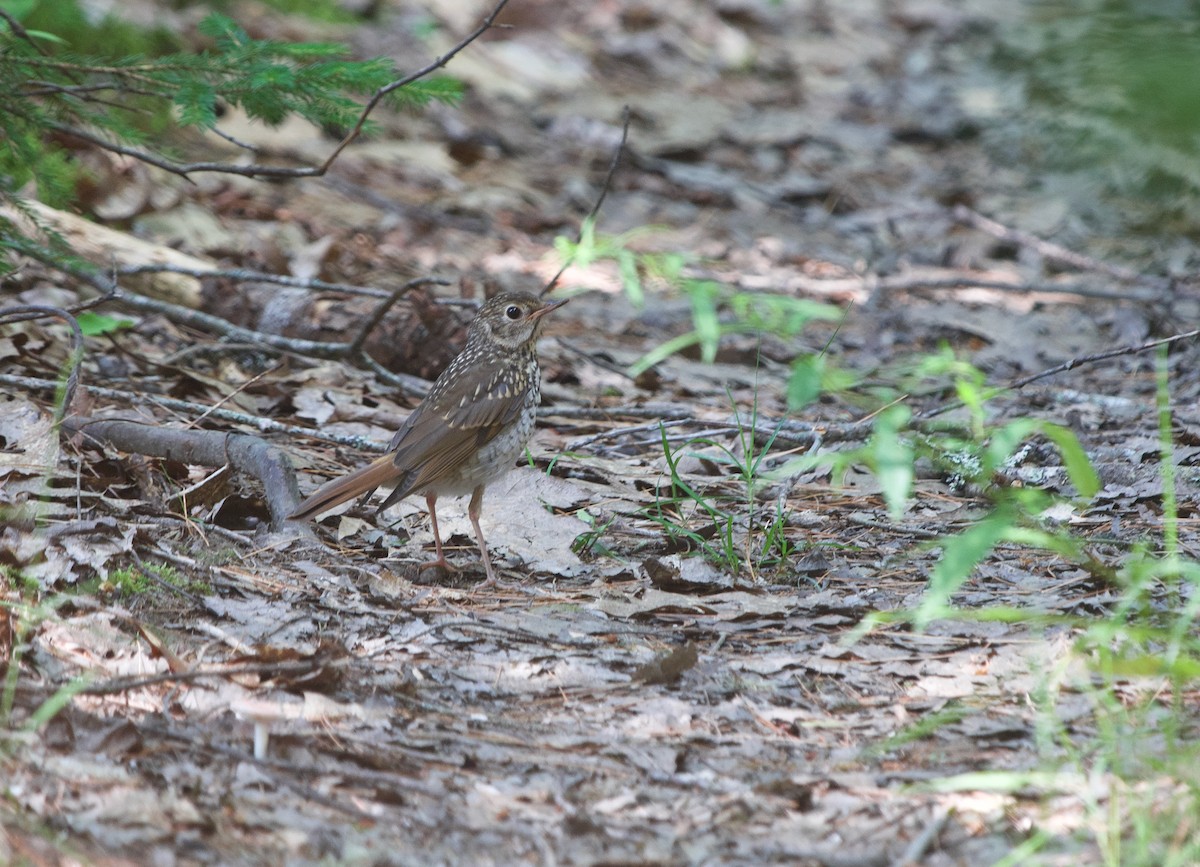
point(380, 471)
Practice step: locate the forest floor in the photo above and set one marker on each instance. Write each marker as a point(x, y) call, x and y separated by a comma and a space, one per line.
point(658, 677)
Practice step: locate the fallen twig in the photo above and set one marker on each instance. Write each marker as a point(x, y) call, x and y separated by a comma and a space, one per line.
point(604, 187)
point(1071, 364)
point(247, 454)
point(1050, 250)
point(266, 171)
point(36, 311)
point(265, 425)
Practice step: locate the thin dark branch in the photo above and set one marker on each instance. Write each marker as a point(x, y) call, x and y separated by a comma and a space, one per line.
point(25, 312)
point(184, 169)
point(411, 385)
point(1050, 250)
point(204, 321)
point(44, 88)
point(236, 142)
point(486, 25)
point(302, 666)
point(910, 284)
point(248, 275)
point(20, 32)
point(786, 432)
point(606, 185)
point(1071, 364)
point(188, 407)
point(398, 781)
point(381, 310)
point(264, 171)
point(1081, 360)
point(604, 188)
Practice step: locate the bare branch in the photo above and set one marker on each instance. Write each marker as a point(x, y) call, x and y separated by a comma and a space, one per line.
point(487, 24)
point(249, 275)
point(966, 281)
point(604, 187)
point(246, 454)
point(19, 31)
point(264, 171)
point(1050, 250)
point(1071, 364)
point(26, 312)
point(264, 425)
point(356, 345)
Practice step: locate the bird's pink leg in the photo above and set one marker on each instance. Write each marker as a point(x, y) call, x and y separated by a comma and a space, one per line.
point(441, 561)
point(473, 511)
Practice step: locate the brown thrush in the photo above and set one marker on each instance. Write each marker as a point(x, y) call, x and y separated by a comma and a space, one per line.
point(469, 429)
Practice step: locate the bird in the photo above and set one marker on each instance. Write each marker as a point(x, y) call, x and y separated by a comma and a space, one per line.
point(470, 427)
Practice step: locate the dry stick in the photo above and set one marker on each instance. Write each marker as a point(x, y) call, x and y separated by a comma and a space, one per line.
point(355, 347)
point(181, 315)
point(396, 780)
point(487, 24)
point(20, 32)
point(247, 454)
point(915, 852)
point(265, 425)
point(234, 392)
point(249, 275)
point(292, 666)
point(36, 311)
point(1050, 250)
point(903, 284)
point(412, 385)
point(1071, 364)
point(257, 170)
point(783, 430)
point(604, 188)
point(1101, 356)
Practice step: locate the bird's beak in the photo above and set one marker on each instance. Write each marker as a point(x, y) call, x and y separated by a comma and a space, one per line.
point(550, 307)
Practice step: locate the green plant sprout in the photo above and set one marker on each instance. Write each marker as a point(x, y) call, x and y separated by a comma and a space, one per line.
point(1139, 661)
point(731, 532)
point(718, 310)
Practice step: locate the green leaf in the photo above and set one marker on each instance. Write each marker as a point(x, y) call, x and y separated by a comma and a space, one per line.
point(804, 383)
point(960, 555)
point(627, 267)
point(1031, 537)
point(999, 781)
point(221, 27)
point(197, 103)
point(662, 351)
point(1003, 443)
point(892, 456)
point(49, 37)
point(94, 324)
point(1181, 668)
point(1079, 467)
point(703, 294)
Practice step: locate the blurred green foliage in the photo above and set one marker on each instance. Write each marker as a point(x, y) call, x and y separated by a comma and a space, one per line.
point(70, 75)
point(1112, 94)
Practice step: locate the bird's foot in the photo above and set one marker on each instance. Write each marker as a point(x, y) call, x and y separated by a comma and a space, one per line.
point(438, 563)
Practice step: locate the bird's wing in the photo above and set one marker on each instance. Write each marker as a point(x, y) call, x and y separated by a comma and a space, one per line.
point(461, 414)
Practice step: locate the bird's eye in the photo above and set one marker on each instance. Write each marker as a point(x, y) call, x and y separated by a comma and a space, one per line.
point(513, 311)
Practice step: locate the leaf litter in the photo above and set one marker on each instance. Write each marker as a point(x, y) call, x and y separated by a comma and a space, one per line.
point(622, 695)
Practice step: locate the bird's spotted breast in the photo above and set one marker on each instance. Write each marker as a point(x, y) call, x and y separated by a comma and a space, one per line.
point(498, 456)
